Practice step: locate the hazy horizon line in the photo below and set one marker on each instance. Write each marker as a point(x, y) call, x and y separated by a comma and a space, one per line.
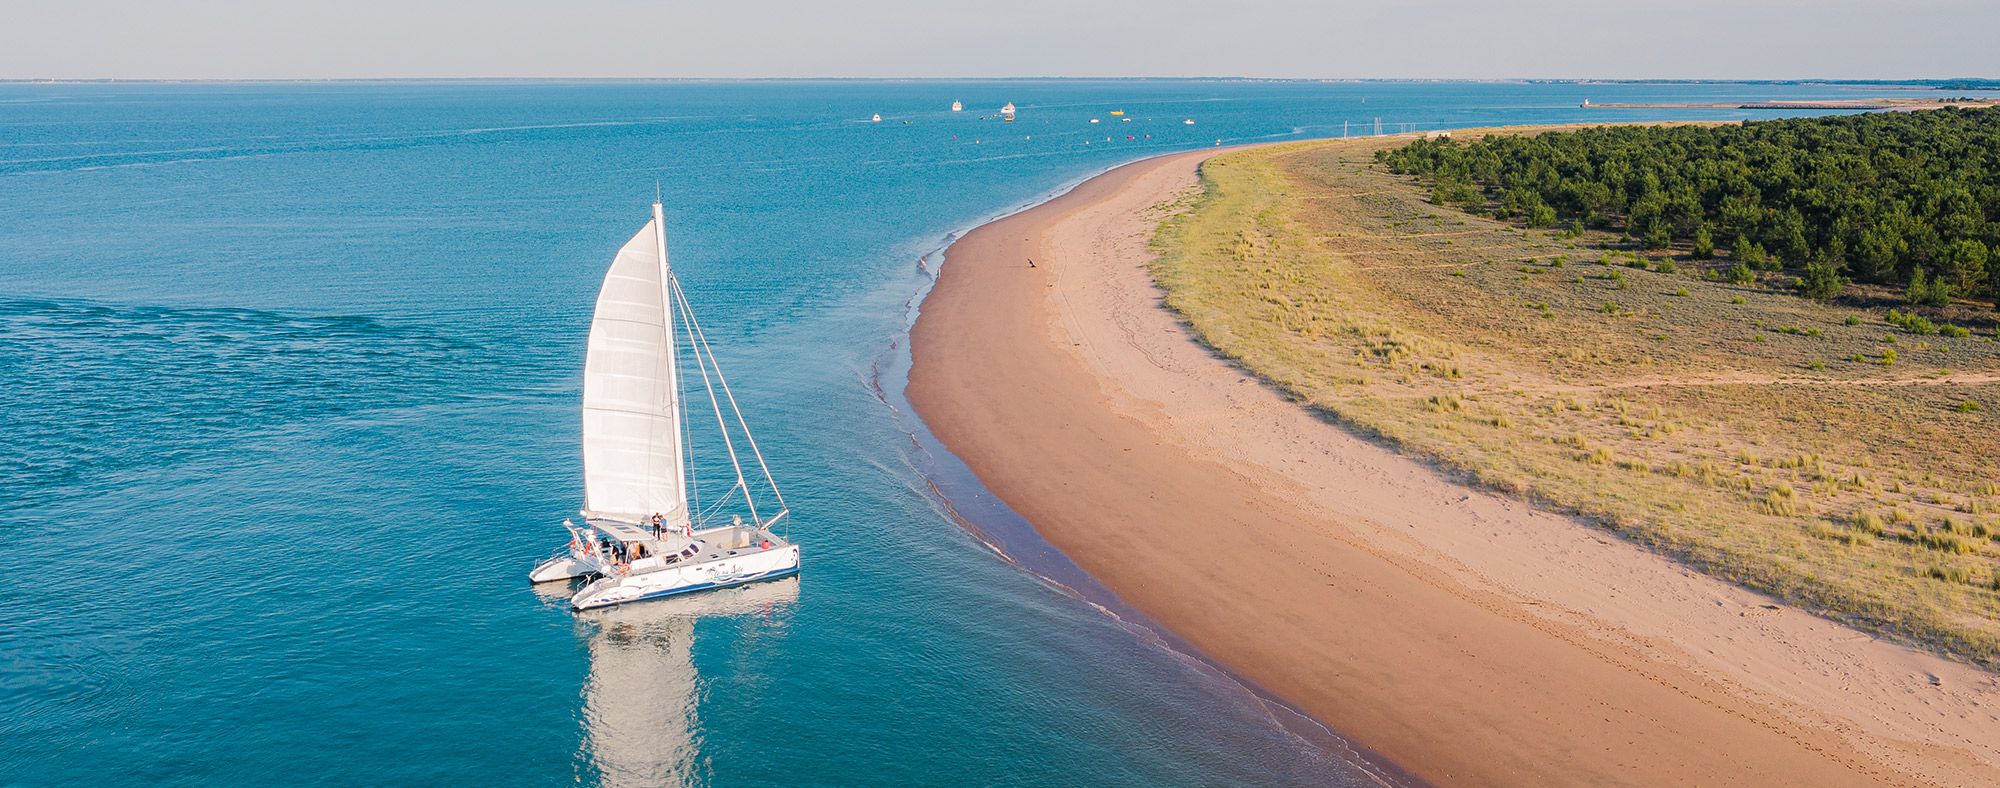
point(1936, 82)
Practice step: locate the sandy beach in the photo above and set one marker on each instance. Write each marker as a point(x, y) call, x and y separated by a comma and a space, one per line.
point(1467, 637)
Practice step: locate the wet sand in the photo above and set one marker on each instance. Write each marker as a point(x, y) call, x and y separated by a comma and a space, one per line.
point(1467, 637)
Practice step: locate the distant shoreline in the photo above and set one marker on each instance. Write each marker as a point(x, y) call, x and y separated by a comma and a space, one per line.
point(1956, 83)
point(1855, 104)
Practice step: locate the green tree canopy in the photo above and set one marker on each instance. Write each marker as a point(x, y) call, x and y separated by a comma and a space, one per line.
point(1881, 196)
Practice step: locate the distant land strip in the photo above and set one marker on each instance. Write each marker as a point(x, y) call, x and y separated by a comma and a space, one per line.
point(1869, 103)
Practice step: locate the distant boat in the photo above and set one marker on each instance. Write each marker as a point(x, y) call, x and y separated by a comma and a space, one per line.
point(1008, 111)
point(957, 107)
point(877, 118)
point(1189, 121)
point(1118, 112)
point(1093, 120)
point(1125, 120)
point(640, 538)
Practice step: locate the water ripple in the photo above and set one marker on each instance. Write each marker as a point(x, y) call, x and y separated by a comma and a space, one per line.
point(95, 390)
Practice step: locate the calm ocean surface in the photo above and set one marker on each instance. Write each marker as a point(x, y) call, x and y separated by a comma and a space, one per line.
point(289, 381)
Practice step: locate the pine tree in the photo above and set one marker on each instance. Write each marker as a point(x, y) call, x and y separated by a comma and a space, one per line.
point(1822, 281)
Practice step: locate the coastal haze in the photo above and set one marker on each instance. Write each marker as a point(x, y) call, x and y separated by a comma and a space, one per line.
point(1435, 39)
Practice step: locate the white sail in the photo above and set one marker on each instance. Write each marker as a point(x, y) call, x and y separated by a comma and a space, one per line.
point(631, 407)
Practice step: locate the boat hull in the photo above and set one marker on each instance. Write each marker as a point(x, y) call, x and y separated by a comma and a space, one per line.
point(561, 567)
point(723, 572)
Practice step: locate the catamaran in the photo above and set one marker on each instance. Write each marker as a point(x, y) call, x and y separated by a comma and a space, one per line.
point(957, 106)
point(646, 533)
point(1007, 112)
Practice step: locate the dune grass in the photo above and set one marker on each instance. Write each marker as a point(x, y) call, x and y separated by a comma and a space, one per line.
point(1776, 442)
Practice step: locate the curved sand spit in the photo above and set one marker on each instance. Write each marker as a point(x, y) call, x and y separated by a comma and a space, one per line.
point(1468, 637)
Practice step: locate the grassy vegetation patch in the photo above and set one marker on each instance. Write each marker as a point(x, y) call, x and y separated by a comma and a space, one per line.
point(1687, 409)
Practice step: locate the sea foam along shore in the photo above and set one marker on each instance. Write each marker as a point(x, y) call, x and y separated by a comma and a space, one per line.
point(1467, 637)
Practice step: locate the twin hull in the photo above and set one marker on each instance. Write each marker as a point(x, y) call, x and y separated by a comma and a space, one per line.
point(693, 576)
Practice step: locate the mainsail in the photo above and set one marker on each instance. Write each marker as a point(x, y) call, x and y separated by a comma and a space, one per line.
point(631, 391)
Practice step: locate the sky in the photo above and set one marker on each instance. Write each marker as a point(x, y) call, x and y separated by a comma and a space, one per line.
point(1420, 39)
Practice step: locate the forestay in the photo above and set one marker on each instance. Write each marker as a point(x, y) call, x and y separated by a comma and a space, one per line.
point(631, 413)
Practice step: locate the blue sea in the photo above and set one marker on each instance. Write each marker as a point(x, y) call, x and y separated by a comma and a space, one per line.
point(289, 383)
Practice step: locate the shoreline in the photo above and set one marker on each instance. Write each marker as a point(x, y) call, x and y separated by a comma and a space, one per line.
point(990, 522)
point(1038, 379)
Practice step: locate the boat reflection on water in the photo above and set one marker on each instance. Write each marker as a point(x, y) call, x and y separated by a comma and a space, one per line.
point(640, 703)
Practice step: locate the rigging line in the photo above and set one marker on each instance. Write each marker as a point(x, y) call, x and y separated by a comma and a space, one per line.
point(704, 513)
point(688, 315)
point(759, 453)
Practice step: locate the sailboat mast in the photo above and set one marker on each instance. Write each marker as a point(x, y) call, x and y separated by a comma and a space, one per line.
point(673, 353)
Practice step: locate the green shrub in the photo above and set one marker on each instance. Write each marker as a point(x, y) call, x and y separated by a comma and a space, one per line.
point(1927, 291)
point(1742, 275)
point(1746, 252)
point(1541, 216)
point(1968, 406)
point(1658, 235)
point(1853, 321)
point(1821, 282)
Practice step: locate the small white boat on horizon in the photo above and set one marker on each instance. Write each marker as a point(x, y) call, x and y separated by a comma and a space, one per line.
point(1007, 112)
point(645, 534)
point(1189, 121)
point(957, 107)
point(876, 119)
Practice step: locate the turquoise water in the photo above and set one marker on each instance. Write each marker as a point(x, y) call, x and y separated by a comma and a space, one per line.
point(289, 384)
